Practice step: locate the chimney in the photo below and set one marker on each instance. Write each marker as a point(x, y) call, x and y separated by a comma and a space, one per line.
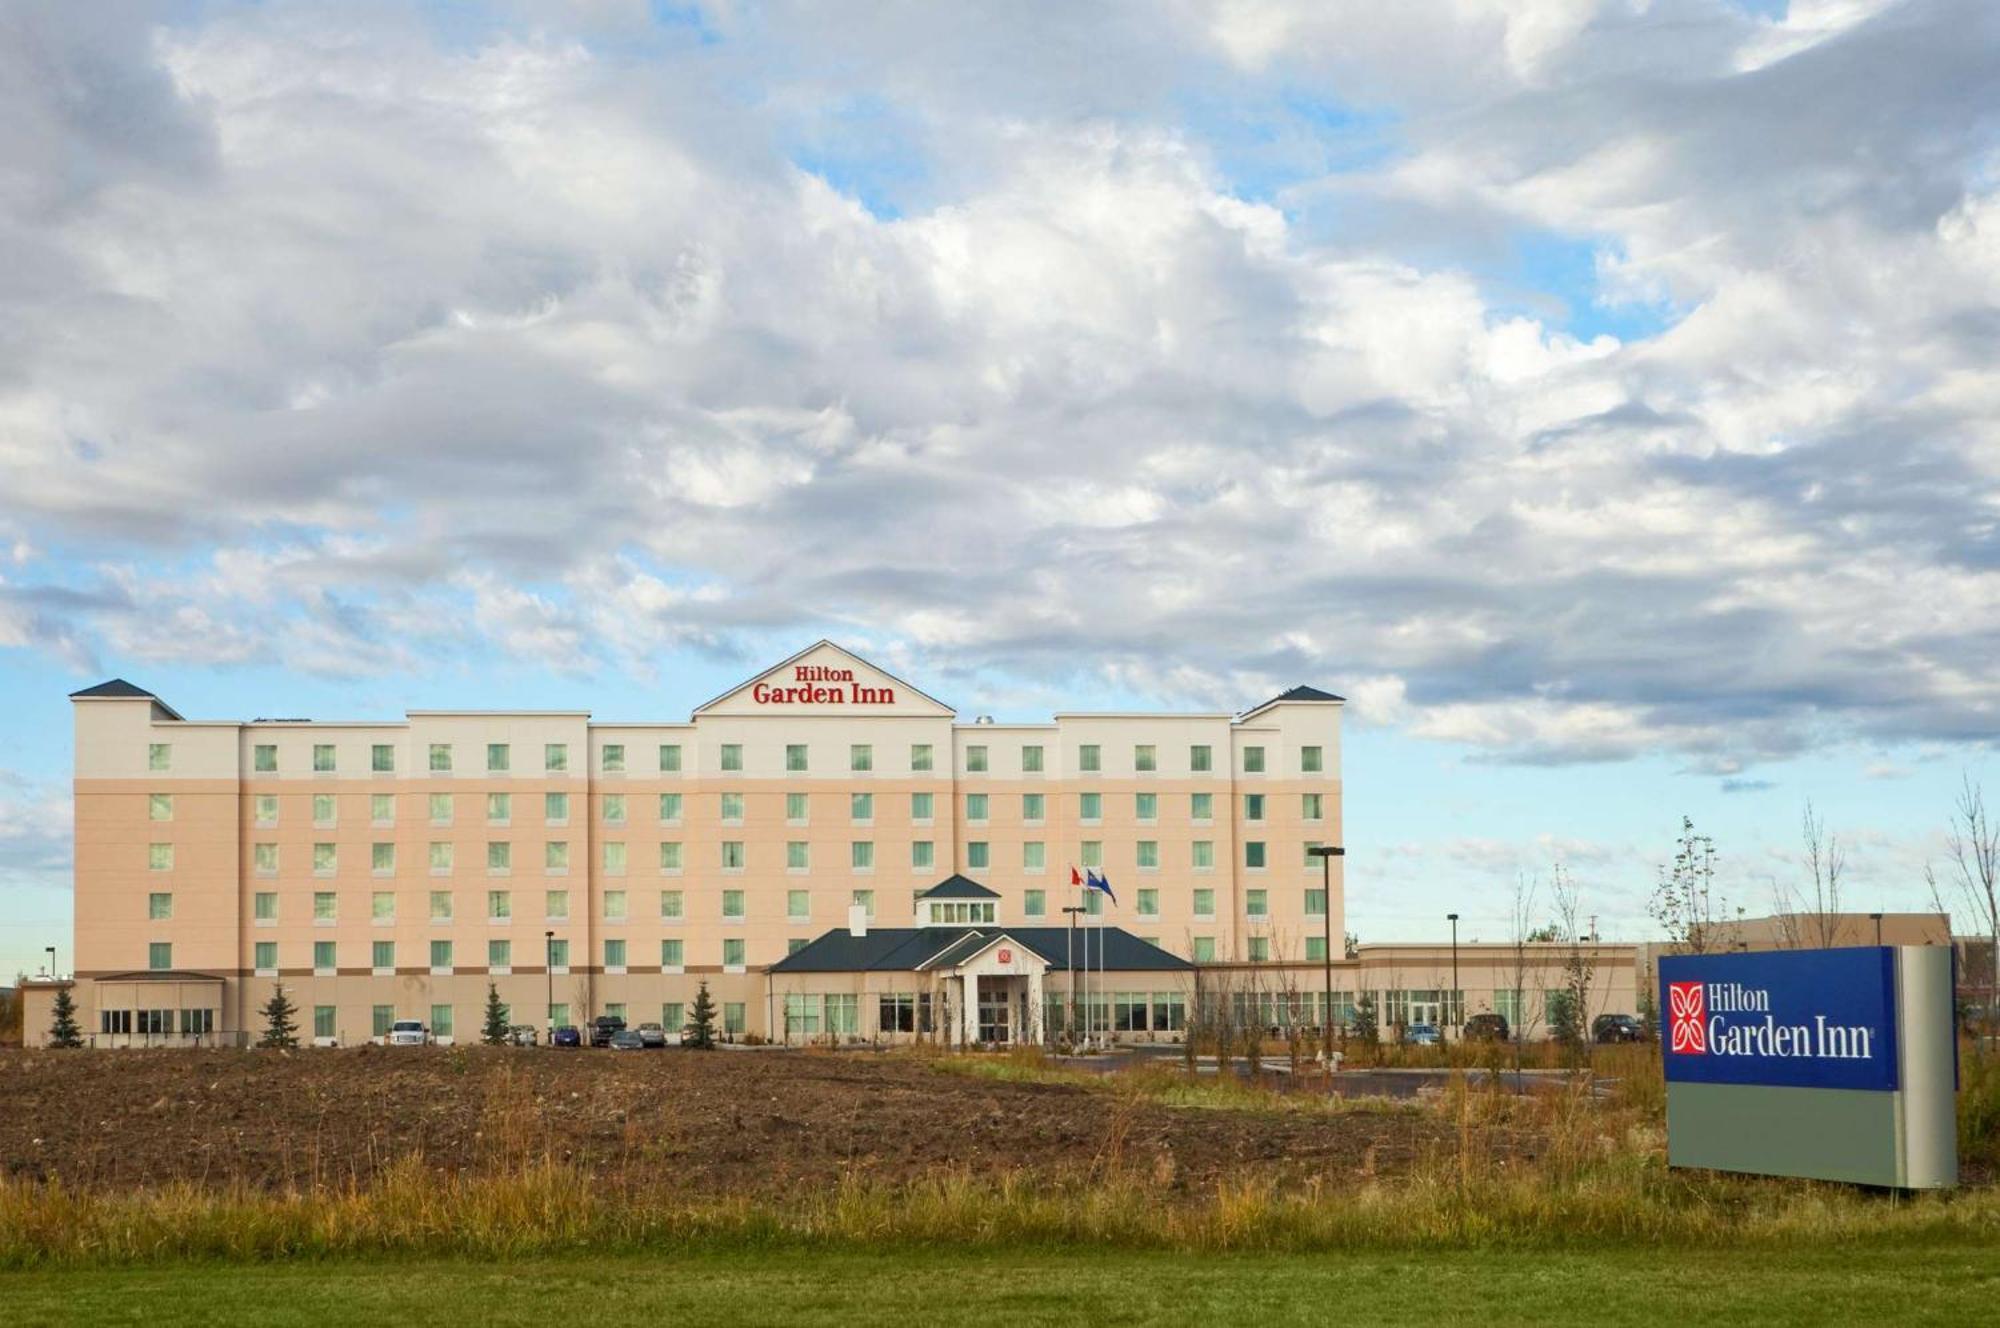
point(857, 919)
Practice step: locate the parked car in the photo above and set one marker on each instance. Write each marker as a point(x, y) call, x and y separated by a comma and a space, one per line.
point(1487, 1028)
point(627, 1039)
point(566, 1036)
point(408, 1033)
point(1422, 1035)
point(523, 1035)
point(1617, 1028)
point(604, 1028)
point(652, 1035)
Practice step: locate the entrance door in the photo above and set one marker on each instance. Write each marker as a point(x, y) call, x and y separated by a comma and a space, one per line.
point(993, 1012)
point(1424, 1012)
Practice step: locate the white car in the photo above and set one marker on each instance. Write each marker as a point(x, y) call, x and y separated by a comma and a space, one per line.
point(408, 1033)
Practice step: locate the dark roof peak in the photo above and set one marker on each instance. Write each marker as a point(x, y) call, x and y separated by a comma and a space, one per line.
point(959, 887)
point(1304, 693)
point(117, 689)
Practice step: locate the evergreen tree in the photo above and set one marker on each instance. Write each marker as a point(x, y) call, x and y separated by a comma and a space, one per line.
point(494, 1034)
point(64, 1031)
point(701, 1021)
point(281, 1021)
point(1366, 1027)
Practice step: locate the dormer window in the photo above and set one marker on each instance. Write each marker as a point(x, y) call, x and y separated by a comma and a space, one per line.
point(960, 912)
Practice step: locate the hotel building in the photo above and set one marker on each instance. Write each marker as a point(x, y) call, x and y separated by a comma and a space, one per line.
point(827, 847)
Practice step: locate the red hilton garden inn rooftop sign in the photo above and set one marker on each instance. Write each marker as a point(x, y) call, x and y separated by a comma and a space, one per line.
point(816, 684)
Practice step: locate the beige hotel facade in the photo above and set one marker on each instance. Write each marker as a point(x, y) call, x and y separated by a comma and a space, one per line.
point(830, 849)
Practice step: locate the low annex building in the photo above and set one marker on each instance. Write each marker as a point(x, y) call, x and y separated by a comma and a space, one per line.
point(830, 849)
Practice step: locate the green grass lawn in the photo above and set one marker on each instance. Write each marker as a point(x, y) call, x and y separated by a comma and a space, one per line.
point(1903, 1284)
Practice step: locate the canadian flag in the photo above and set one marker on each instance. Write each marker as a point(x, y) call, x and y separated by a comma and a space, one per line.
point(1687, 1018)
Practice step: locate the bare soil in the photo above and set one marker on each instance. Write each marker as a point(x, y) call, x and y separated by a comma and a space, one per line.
point(720, 1122)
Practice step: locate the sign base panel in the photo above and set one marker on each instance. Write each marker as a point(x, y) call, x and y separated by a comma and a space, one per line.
point(1819, 1133)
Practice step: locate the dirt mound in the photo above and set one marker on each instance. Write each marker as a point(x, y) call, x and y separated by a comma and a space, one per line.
point(722, 1122)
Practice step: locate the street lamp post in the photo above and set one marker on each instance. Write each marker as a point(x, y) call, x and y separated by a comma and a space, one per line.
point(1326, 853)
point(1458, 1016)
point(549, 968)
point(1069, 1020)
point(52, 960)
point(1877, 918)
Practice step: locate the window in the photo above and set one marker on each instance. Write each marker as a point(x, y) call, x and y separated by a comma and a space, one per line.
point(861, 756)
point(160, 955)
point(1093, 903)
point(1315, 903)
point(1149, 903)
point(559, 954)
point(976, 855)
point(499, 955)
point(1203, 951)
point(441, 954)
point(1253, 760)
point(323, 1016)
point(440, 856)
point(382, 758)
point(441, 1020)
point(923, 853)
point(1092, 852)
point(382, 808)
point(920, 756)
point(1260, 949)
point(732, 855)
point(559, 1014)
point(1034, 856)
point(1146, 806)
point(861, 855)
point(441, 809)
point(555, 756)
point(795, 756)
point(323, 758)
point(325, 859)
point(1145, 756)
point(1033, 808)
point(1253, 806)
point(555, 808)
point(1253, 854)
point(160, 857)
point(1311, 857)
point(385, 1018)
point(499, 856)
point(382, 905)
point(670, 955)
point(975, 760)
point(1089, 757)
point(1316, 948)
point(671, 905)
point(1090, 807)
point(1035, 903)
point(160, 806)
point(499, 757)
point(265, 904)
point(796, 858)
point(440, 758)
point(614, 857)
point(732, 808)
point(1201, 806)
point(861, 808)
point(159, 756)
point(732, 903)
point(1204, 903)
point(670, 855)
point(382, 858)
point(975, 806)
point(500, 808)
point(1257, 903)
point(921, 808)
point(264, 759)
point(1031, 760)
point(1310, 760)
point(324, 906)
point(499, 905)
point(440, 906)
point(670, 758)
point(732, 952)
point(159, 906)
point(555, 905)
point(614, 905)
point(798, 905)
point(1201, 759)
point(795, 808)
point(323, 809)
point(733, 1019)
point(732, 756)
point(323, 957)
point(843, 1014)
point(612, 759)
point(1149, 854)
point(795, 944)
point(1312, 806)
point(267, 809)
point(865, 899)
point(614, 955)
point(670, 808)
point(614, 808)
point(264, 957)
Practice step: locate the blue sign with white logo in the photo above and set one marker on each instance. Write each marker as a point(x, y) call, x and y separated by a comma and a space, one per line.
point(1784, 1018)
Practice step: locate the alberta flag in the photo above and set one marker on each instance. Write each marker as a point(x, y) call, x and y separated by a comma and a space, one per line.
point(1092, 881)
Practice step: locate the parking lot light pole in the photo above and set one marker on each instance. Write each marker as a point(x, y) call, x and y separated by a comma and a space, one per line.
point(1069, 1021)
point(52, 959)
point(1457, 1013)
point(1878, 927)
point(1326, 853)
point(549, 967)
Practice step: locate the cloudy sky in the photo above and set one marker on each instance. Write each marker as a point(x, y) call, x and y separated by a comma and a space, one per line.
point(1604, 395)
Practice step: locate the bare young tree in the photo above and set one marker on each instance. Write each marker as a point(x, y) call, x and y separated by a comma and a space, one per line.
point(1810, 915)
point(1973, 873)
point(1684, 901)
point(1579, 964)
point(1521, 927)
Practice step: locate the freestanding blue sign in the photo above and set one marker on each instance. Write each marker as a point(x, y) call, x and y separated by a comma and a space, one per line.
point(1787, 1018)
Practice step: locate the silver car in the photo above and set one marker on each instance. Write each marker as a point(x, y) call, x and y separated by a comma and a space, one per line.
point(408, 1033)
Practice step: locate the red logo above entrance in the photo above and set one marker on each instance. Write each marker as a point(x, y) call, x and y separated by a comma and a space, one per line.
point(1006, 956)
